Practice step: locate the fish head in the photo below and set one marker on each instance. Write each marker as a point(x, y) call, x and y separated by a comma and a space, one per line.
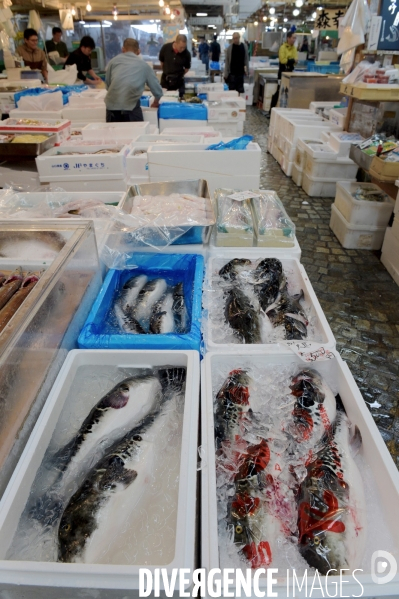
point(230, 270)
point(118, 397)
point(76, 526)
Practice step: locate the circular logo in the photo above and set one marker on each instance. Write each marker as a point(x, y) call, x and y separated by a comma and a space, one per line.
point(66, 166)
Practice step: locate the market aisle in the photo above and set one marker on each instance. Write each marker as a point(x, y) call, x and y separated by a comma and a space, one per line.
point(358, 296)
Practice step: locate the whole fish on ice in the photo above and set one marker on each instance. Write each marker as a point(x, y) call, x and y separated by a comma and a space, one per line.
point(162, 319)
point(230, 270)
point(111, 490)
point(179, 308)
point(242, 316)
point(232, 406)
point(149, 295)
point(17, 299)
point(269, 280)
point(331, 502)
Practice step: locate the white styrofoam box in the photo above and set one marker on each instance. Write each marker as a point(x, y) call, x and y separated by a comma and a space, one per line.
point(153, 130)
point(269, 143)
point(325, 136)
point(54, 579)
point(355, 237)
point(17, 113)
point(289, 150)
point(204, 88)
point(278, 113)
point(33, 199)
point(81, 101)
point(286, 122)
point(390, 247)
point(60, 128)
point(337, 116)
point(286, 166)
point(165, 139)
point(255, 252)
point(224, 111)
point(221, 95)
point(168, 99)
point(61, 163)
point(178, 123)
point(115, 131)
point(304, 128)
point(150, 115)
point(7, 102)
point(229, 128)
point(297, 280)
point(242, 104)
point(91, 185)
point(391, 268)
point(22, 175)
point(92, 114)
point(22, 83)
point(395, 227)
point(279, 155)
point(137, 164)
point(341, 141)
point(321, 151)
point(374, 456)
point(324, 188)
point(319, 106)
point(297, 175)
point(362, 212)
point(249, 99)
point(341, 168)
point(299, 158)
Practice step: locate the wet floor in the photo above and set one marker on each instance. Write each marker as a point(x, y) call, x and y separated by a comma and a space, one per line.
point(358, 296)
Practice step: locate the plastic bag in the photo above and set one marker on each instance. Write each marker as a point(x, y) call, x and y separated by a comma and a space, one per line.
point(41, 102)
point(185, 111)
point(234, 224)
point(273, 227)
point(363, 68)
point(67, 75)
point(240, 143)
point(353, 26)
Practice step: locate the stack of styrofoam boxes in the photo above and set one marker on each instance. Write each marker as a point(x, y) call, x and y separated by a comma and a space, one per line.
point(150, 114)
point(390, 247)
point(86, 107)
point(248, 94)
point(232, 169)
point(299, 159)
point(276, 143)
point(137, 171)
point(181, 115)
point(226, 117)
point(91, 170)
point(41, 106)
point(360, 224)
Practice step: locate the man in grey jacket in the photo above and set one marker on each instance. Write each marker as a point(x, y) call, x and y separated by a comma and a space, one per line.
point(236, 64)
point(125, 78)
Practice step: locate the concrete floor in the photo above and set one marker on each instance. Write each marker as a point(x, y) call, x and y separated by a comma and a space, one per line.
point(358, 296)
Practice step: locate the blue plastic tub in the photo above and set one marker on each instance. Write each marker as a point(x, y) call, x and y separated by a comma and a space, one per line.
point(185, 111)
point(145, 101)
point(332, 69)
point(215, 66)
point(100, 331)
point(66, 90)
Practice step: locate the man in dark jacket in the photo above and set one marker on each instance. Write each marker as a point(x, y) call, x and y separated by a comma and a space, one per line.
point(57, 45)
point(215, 49)
point(236, 64)
point(203, 51)
point(81, 57)
point(175, 61)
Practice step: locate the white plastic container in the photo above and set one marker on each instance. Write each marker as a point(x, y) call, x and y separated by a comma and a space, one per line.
point(355, 237)
point(362, 212)
point(297, 280)
point(213, 96)
point(59, 164)
point(150, 115)
point(341, 141)
point(114, 131)
point(225, 111)
point(390, 254)
point(53, 579)
point(321, 151)
point(60, 128)
point(255, 252)
point(232, 169)
point(137, 164)
point(340, 168)
point(297, 175)
point(300, 129)
point(380, 468)
point(316, 186)
point(94, 113)
point(229, 128)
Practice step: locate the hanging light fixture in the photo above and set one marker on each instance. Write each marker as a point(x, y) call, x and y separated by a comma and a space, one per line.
point(295, 12)
point(161, 3)
point(73, 10)
point(265, 18)
point(284, 29)
point(256, 23)
point(285, 20)
point(172, 16)
point(298, 3)
point(167, 10)
point(272, 10)
point(314, 15)
point(88, 6)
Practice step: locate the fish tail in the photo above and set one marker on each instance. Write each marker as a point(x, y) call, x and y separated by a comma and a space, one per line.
point(340, 405)
point(172, 379)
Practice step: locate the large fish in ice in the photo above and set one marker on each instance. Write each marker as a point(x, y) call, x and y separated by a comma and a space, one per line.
point(149, 295)
point(162, 318)
point(130, 292)
point(232, 406)
point(229, 271)
point(111, 490)
point(269, 280)
point(242, 316)
point(315, 407)
point(287, 310)
point(331, 502)
point(179, 308)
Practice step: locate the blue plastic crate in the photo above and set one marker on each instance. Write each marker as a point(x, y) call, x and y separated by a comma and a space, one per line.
point(323, 68)
point(66, 90)
point(145, 101)
point(100, 332)
point(185, 111)
point(215, 66)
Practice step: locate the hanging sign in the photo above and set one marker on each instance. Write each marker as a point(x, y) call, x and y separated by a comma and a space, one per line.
point(389, 34)
point(329, 19)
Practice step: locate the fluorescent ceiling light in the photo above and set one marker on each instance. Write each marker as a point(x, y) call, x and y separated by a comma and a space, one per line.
point(272, 10)
point(295, 12)
point(299, 3)
point(107, 23)
point(202, 14)
point(285, 19)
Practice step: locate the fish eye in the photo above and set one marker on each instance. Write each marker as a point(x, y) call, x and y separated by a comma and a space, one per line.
point(124, 388)
point(66, 527)
point(239, 529)
point(316, 541)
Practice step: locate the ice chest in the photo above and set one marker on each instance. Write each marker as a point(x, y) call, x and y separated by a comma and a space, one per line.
point(362, 212)
point(61, 163)
point(214, 325)
point(357, 237)
point(175, 268)
point(53, 580)
point(373, 450)
point(198, 234)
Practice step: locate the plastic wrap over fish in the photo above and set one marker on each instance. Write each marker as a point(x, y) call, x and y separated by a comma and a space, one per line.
point(271, 219)
point(289, 491)
point(118, 231)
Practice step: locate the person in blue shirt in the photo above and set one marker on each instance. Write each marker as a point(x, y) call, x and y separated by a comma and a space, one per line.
point(125, 78)
point(203, 51)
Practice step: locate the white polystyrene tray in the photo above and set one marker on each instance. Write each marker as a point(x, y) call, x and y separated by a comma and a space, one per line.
point(362, 212)
point(53, 579)
point(374, 450)
point(297, 280)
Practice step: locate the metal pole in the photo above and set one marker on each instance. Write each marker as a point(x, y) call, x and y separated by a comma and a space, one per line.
point(103, 41)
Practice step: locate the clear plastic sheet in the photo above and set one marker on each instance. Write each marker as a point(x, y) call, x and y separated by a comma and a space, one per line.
point(353, 26)
point(234, 219)
point(289, 492)
point(272, 224)
point(189, 209)
point(118, 233)
point(137, 415)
